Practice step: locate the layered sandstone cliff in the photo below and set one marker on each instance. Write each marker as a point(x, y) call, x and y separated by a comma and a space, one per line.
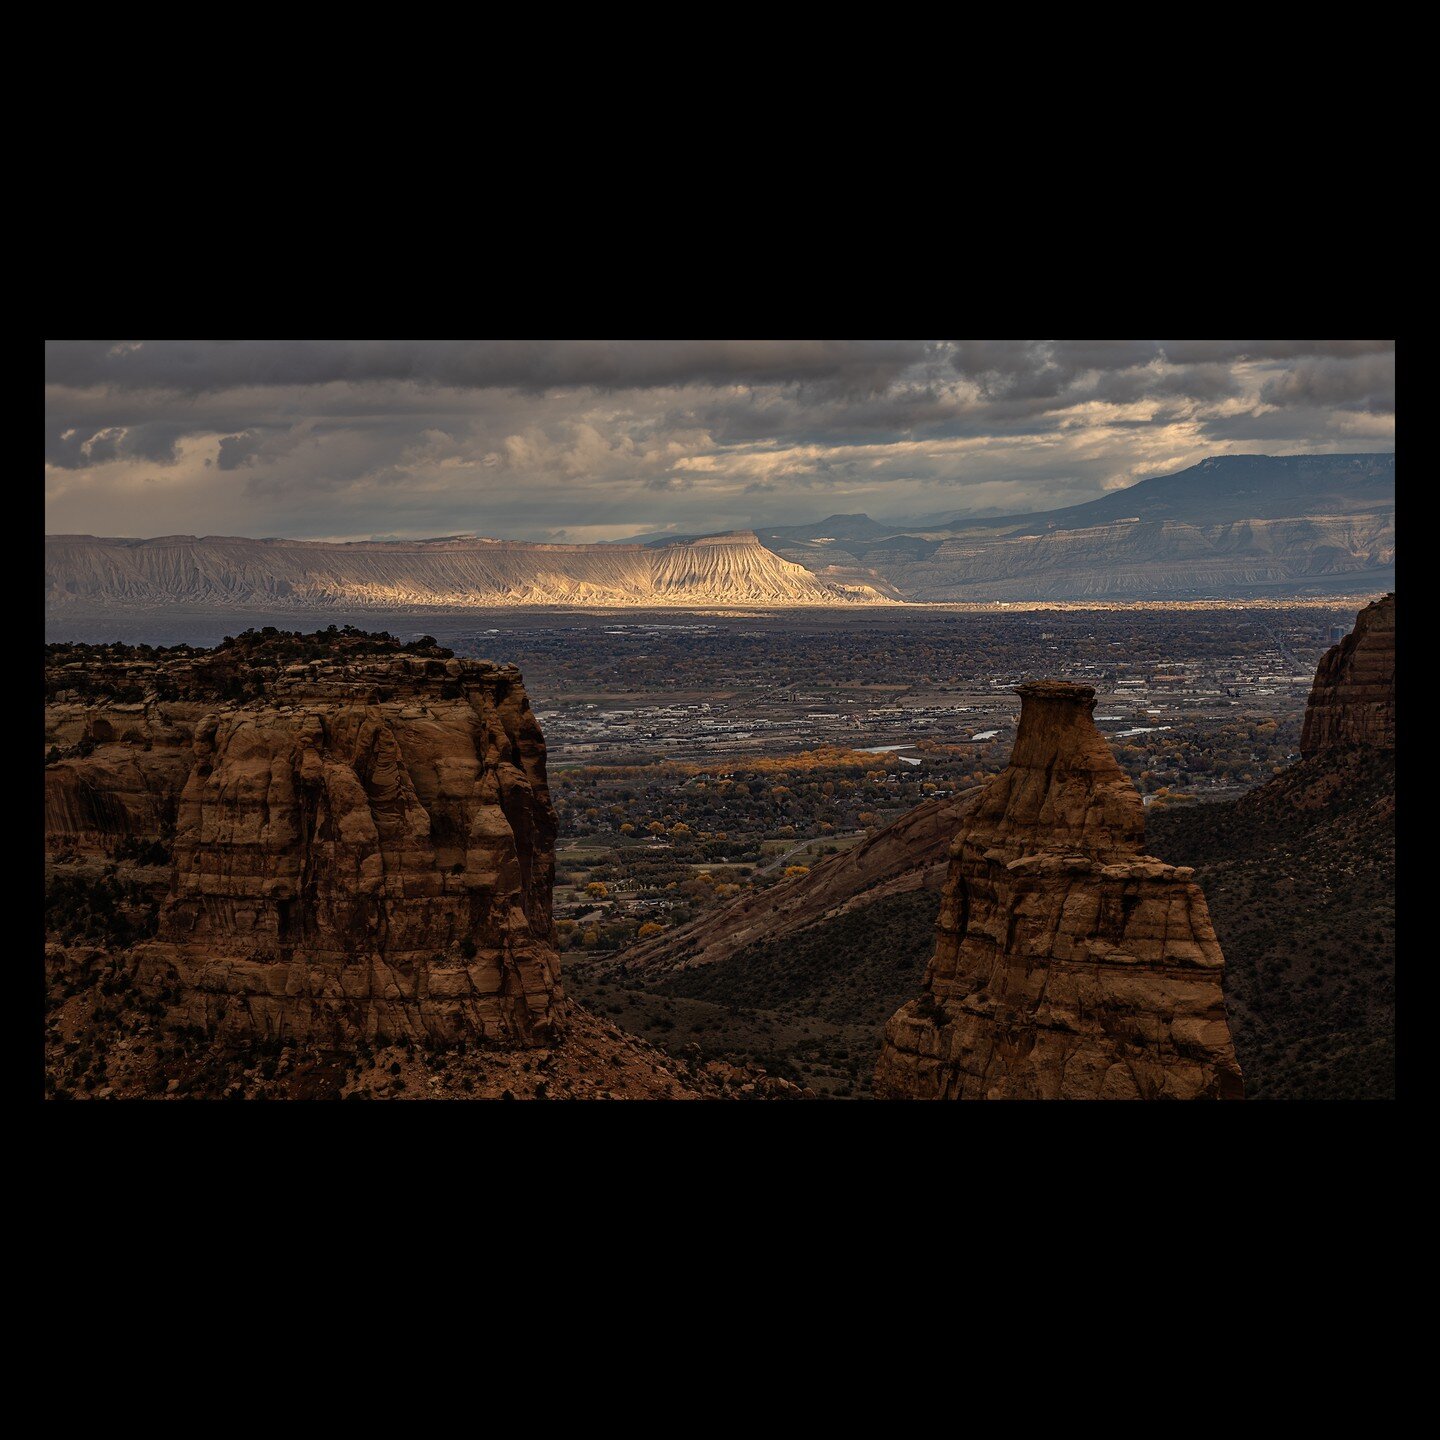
point(121, 791)
point(1068, 964)
point(361, 848)
point(1352, 701)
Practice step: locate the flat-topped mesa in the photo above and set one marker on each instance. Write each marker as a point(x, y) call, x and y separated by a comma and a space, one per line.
point(362, 846)
point(369, 864)
point(86, 573)
point(220, 675)
point(1068, 964)
point(1352, 702)
point(137, 719)
point(728, 537)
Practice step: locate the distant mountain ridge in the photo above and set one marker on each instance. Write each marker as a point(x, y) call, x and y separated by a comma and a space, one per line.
point(1227, 488)
point(1231, 526)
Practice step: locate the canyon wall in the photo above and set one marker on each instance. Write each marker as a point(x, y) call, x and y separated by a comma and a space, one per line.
point(363, 847)
point(1352, 702)
point(1068, 964)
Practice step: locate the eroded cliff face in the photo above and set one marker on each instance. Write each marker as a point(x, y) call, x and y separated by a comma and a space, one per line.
point(128, 784)
point(1352, 701)
point(360, 849)
point(1068, 964)
point(96, 574)
point(121, 791)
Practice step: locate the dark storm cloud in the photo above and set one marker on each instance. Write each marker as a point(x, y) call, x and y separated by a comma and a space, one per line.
point(602, 439)
point(1273, 431)
point(998, 357)
point(1016, 366)
point(1196, 382)
point(1184, 352)
point(72, 447)
point(1366, 383)
point(198, 367)
point(797, 417)
point(238, 450)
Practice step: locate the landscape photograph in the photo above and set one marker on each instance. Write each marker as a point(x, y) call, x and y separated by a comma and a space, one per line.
point(719, 720)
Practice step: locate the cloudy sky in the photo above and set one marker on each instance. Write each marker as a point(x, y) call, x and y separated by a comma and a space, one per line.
point(595, 440)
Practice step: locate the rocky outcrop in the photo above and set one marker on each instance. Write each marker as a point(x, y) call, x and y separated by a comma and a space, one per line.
point(119, 792)
point(1300, 872)
point(1352, 701)
point(360, 849)
point(115, 767)
point(1068, 964)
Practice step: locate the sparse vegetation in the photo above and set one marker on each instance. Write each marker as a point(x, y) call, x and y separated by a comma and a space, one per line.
point(1300, 880)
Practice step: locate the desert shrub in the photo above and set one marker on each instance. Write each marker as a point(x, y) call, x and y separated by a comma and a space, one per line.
point(103, 911)
point(142, 850)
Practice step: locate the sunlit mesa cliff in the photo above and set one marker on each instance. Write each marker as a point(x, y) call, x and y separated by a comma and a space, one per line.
point(88, 572)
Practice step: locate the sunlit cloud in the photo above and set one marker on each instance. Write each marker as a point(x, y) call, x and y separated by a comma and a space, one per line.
point(602, 440)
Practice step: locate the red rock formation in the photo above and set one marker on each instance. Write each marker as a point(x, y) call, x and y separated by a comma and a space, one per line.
point(128, 784)
point(362, 848)
point(1068, 965)
point(1352, 701)
point(120, 791)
